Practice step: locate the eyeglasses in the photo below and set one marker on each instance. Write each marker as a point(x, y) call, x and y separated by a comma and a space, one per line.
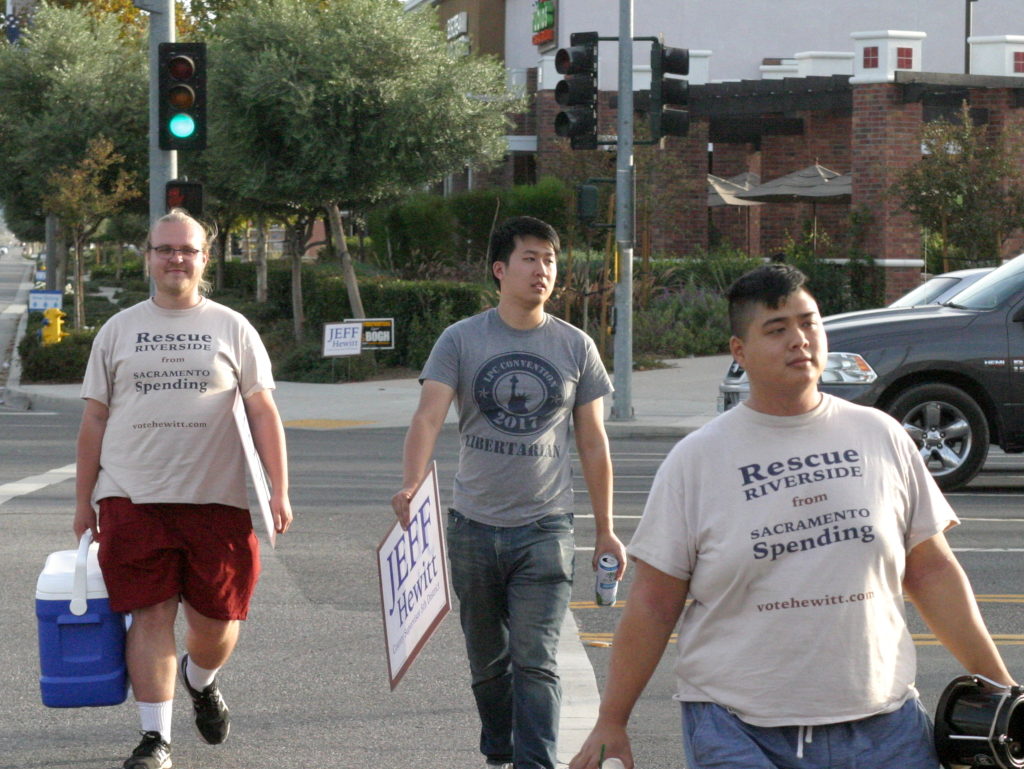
point(166, 252)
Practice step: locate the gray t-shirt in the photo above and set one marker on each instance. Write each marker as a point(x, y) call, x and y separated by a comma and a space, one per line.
point(515, 392)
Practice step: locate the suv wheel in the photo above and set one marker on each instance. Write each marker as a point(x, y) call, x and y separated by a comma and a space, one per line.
point(948, 427)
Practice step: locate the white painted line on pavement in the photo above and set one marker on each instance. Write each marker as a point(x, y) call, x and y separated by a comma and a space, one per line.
point(35, 482)
point(580, 698)
point(15, 309)
point(993, 520)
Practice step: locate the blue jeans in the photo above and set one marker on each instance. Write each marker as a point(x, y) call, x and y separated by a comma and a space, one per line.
point(713, 738)
point(514, 586)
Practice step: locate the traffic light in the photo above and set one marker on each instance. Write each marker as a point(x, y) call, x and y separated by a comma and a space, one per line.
point(577, 92)
point(182, 96)
point(586, 204)
point(668, 121)
point(184, 194)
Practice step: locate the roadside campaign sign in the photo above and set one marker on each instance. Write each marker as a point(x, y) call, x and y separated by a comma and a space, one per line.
point(343, 339)
point(378, 333)
point(415, 591)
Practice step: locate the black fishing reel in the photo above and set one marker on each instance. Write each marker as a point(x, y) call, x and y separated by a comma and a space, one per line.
point(980, 723)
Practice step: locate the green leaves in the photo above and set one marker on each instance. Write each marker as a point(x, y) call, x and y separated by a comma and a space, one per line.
point(348, 102)
point(968, 188)
point(74, 77)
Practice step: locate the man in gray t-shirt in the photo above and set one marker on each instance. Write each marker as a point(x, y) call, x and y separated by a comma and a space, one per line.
point(518, 377)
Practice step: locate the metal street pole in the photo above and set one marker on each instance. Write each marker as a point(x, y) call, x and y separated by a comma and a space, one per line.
point(163, 164)
point(968, 27)
point(622, 399)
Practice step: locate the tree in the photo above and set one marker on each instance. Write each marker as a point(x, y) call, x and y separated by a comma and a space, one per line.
point(74, 76)
point(968, 187)
point(335, 106)
point(83, 196)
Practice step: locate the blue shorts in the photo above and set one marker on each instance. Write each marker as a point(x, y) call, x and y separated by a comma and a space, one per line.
point(713, 738)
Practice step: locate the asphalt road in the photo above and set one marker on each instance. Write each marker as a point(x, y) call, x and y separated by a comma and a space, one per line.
point(308, 685)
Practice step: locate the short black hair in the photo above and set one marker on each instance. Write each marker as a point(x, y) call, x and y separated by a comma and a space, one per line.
point(503, 239)
point(769, 284)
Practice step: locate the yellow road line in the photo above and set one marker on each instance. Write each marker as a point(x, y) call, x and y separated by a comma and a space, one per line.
point(327, 424)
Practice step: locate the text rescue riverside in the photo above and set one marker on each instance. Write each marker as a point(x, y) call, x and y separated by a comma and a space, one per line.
point(146, 341)
point(820, 466)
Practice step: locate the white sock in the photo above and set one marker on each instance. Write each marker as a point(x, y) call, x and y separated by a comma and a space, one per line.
point(199, 678)
point(156, 717)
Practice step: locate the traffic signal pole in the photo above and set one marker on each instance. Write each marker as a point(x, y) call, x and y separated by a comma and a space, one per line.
point(163, 164)
point(622, 399)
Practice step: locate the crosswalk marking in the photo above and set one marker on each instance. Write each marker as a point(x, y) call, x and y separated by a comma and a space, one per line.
point(33, 483)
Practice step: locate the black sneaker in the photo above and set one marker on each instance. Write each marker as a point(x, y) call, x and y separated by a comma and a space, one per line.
point(152, 753)
point(212, 719)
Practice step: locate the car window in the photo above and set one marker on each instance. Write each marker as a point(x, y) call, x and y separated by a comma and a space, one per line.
point(995, 288)
point(927, 292)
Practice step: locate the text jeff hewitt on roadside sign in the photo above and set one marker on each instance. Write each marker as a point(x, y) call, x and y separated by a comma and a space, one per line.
point(414, 588)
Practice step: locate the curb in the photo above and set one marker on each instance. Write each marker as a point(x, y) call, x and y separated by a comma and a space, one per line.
point(28, 401)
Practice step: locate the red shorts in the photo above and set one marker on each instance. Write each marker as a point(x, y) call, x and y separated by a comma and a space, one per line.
point(206, 554)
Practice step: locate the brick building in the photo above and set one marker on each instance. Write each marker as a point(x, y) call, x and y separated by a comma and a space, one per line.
point(856, 109)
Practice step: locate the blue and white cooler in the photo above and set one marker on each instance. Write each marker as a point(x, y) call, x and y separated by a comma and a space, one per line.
point(81, 641)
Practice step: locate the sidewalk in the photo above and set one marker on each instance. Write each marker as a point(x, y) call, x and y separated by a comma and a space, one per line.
point(670, 401)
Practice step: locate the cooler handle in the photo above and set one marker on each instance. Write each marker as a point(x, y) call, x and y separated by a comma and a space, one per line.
point(80, 587)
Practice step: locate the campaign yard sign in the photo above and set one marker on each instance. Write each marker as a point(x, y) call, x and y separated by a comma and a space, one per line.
point(343, 339)
point(415, 592)
point(378, 333)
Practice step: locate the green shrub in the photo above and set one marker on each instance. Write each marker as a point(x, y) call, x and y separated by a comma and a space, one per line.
point(474, 213)
point(106, 274)
point(549, 199)
point(681, 323)
point(56, 363)
point(421, 309)
point(419, 228)
point(424, 230)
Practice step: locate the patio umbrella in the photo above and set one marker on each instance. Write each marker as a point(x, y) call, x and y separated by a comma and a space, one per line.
point(723, 192)
point(812, 183)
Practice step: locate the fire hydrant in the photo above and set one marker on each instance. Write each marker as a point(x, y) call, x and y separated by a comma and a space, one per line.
point(53, 325)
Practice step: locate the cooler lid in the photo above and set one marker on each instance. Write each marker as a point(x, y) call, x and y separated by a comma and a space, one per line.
point(58, 576)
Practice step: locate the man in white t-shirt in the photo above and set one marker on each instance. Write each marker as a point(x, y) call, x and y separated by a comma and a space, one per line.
point(794, 524)
point(160, 456)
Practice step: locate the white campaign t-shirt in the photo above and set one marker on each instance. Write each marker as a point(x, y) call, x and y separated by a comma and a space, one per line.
point(793, 534)
point(169, 378)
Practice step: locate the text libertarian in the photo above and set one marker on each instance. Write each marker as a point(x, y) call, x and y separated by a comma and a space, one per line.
point(512, 448)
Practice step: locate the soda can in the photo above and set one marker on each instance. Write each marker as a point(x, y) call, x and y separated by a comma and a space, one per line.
point(606, 585)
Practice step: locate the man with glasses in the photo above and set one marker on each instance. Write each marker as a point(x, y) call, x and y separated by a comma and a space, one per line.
point(159, 455)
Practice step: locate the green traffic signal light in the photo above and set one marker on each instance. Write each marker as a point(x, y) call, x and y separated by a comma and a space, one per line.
point(181, 126)
point(181, 98)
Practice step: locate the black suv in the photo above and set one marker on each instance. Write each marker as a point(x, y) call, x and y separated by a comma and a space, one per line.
point(953, 374)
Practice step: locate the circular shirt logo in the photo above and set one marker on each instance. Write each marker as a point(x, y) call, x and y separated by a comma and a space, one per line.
point(518, 393)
